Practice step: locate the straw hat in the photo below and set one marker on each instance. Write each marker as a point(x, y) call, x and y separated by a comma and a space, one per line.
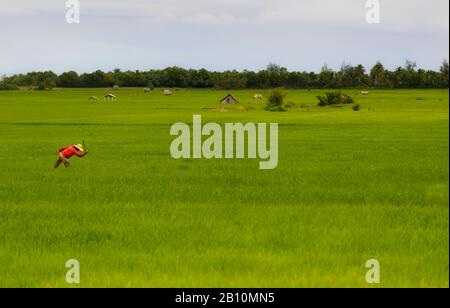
point(79, 147)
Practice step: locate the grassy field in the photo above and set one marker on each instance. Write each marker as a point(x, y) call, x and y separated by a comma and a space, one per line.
point(350, 186)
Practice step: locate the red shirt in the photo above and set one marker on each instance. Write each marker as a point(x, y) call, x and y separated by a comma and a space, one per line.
point(68, 152)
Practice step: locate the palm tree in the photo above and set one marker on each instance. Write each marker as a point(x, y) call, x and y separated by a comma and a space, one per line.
point(377, 74)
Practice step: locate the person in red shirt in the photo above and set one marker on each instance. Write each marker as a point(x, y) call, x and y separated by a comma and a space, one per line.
point(67, 152)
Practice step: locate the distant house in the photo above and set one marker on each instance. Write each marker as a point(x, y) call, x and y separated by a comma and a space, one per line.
point(229, 99)
point(258, 96)
point(109, 96)
point(168, 92)
point(93, 98)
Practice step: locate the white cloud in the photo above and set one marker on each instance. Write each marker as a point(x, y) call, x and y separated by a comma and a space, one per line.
point(396, 15)
point(301, 34)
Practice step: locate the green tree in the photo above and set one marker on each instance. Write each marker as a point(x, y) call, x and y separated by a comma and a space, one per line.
point(68, 80)
point(377, 75)
point(444, 70)
point(275, 101)
point(327, 78)
point(277, 75)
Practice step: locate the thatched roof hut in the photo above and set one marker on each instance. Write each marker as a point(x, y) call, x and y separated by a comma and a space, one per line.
point(258, 96)
point(109, 96)
point(229, 99)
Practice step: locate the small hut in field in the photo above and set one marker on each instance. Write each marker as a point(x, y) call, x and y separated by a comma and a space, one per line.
point(168, 92)
point(229, 99)
point(258, 96)
point(109, 96)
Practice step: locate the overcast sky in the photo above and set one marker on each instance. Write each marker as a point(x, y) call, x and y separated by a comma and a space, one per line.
point(219, 34)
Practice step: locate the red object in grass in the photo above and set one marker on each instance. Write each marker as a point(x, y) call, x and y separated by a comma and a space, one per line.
point(68, 152)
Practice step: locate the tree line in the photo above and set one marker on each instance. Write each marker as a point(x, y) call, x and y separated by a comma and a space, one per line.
point(408, 76)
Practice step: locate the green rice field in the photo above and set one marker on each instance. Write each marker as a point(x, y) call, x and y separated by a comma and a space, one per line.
point(349, 187)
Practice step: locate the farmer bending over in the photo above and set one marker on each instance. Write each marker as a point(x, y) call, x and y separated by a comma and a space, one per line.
point(67, 152)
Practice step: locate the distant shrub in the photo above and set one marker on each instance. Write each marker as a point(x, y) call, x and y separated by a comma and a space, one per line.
point(244, 108)
point(307, 106)
point(356, 107)
point(41, 87)
point(7, 87)
point(277, 109)
point(420, 99)
point(276, 100)
point(290, 105)
point(335, 98)
point(323, 101)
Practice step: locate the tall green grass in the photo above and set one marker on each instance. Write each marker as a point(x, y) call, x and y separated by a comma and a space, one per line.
point(350, 186)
